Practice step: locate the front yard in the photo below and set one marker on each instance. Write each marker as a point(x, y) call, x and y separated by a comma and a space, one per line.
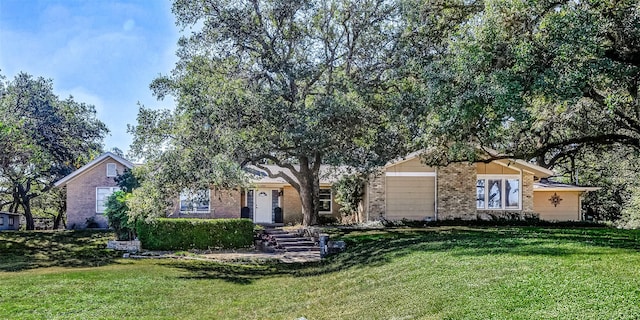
point(436, 273)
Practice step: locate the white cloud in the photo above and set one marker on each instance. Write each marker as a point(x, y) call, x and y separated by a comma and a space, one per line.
point(128, 25)
point(83, 95)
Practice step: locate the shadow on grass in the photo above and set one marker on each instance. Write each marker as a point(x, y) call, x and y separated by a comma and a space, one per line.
point(40, 249)
point(374, 248)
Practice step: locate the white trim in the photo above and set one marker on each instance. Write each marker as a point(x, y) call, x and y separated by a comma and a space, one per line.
point(565, 189)
point(435, 211)
point(89, 165)
point(330, 202)
point(410, 174)
point(112, 190)
point(114, 171)
point(269, 192)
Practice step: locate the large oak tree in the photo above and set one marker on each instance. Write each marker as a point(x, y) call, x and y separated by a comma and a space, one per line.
point(295, 83)
point(42, 139)
point(542, 79)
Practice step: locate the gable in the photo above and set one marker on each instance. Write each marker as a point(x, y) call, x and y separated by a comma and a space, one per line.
point(409, 165)
point(100, 163)
point(494, 168)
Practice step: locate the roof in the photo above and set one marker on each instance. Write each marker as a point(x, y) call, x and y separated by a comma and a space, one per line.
point(545, 185)
point(515, 163)
point(406, 158)
point(71, 176)
point(328, 174)
point(534, 169)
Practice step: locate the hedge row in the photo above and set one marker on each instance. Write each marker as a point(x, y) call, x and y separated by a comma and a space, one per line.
point(495, 223)
point(184, 234)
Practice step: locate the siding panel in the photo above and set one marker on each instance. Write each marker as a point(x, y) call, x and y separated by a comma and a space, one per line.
point(412, 198)
point(567, 209)
point(413, 165)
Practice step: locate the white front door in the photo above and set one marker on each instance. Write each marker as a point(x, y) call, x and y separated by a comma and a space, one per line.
point(263, 206)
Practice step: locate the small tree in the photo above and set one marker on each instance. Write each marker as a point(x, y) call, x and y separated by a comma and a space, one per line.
point(349, 191)
point(296, 84)
point(117, 212)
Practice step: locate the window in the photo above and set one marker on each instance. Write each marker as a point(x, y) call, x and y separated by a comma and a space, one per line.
point(325, 201)
point(111, 170)
point(498, 192)
point(102, 193)
point(194, 202)
point(512, 193)
point(1, 220)
point(11, 221)
point(480, 193)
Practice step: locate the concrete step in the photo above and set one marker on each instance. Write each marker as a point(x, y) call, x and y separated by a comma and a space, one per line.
point(274, 231)
point(301, 249)
point(284, 236)
point(290, 242)
point(291, 239)
point(296, 244)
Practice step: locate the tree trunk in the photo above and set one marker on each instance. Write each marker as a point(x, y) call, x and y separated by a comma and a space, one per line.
point(25, 201)
point(309, 212)
point(28, 216)
point(60, 211)
point(57, 220)
point(309, 179)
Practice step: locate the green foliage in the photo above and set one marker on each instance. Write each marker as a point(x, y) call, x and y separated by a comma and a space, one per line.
point(184, 234)
point(43, 138)
point(117, 212)
point(296, 84)
point(536, 78)
point(630, 216)
point(348, 192)
point(616, 171)
point(127, 181)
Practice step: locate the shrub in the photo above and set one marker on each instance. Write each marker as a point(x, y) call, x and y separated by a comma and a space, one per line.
point(630, 218)
point(349, 191)
point(117, 212)
point(185, 234)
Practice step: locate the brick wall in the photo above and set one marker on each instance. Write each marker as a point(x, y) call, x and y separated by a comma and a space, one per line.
point(457, 191)
point(223, 204)
point(527, 193)
point(375, 196)
point(292, 207)
point(81, 194)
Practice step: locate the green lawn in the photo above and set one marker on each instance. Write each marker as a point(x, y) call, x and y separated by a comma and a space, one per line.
point(437, 273)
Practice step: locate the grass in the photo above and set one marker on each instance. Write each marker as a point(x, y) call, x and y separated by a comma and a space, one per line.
point(435, 273)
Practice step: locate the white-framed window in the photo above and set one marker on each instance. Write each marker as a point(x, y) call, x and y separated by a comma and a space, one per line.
point(102, 193)
point(498, 192)
point(195, 201)
point(11, 221)
point(111, 170)
point(325, 201)
point(1, 221)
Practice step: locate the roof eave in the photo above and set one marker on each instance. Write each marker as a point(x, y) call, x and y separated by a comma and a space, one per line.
point(79, 171)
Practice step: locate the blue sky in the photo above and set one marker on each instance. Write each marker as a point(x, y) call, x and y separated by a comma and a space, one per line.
point(103, 52)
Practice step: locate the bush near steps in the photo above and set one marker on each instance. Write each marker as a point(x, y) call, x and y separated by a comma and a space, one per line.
point(185, 234)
